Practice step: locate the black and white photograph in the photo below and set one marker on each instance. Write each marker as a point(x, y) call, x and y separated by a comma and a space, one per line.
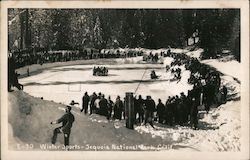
point(125, 79)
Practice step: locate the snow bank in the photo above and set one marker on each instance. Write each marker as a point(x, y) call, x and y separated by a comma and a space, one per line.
point(230, 68)
point(96, 131)
point(196, 54)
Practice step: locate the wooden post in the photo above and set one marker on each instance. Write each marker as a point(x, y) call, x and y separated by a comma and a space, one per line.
point(129, 110)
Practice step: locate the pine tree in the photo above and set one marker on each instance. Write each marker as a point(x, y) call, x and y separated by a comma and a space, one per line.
point(98, 40)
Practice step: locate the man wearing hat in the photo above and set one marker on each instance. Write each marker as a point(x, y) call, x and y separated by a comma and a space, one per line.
point(67, 121)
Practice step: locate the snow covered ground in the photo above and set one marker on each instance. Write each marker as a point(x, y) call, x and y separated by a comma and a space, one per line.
point(219, 130)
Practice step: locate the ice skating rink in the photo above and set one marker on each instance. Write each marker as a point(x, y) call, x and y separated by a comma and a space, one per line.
point(63, 84)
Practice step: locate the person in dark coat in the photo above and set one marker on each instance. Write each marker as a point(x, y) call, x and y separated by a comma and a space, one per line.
point(110, 107)
point(94, 71)
point(118, 107)
point(103, 106)
point(136, 108)
point(183, 109)
point(153, 75)
point(171, 111)
point(177, 108)
point(208, 90)
point(167, 111)
point(194, 113)
point(67, 122)
point(140, 102)
point(92, 102)
point(85, 103)
point(160, 111)
point(11, 71)
point(16, 82)
point(150, 109)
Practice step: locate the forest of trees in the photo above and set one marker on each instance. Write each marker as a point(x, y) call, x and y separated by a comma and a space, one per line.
point(71, 29)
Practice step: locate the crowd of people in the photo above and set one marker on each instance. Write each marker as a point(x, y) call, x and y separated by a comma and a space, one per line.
point(153, 58)
point(204, 79)
point(100, 71)
point(97, 103)
point(177, 73)
point(40, 56)
point(177, 110)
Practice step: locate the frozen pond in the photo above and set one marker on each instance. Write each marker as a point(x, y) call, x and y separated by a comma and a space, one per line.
point(63, 84)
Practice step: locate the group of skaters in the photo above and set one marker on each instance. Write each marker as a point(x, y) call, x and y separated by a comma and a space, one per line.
point(100, 71)
point(153, 58)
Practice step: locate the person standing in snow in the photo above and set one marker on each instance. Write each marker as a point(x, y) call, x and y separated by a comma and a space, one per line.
point(150, 109)
point(16, 82)
point(110, 107)
point(67, 121)
point(141, 108)
point(92, 102)
point(194, 113)
point(103, 106)
point(118, 108)
point(167, 111)
point(136, 108)
point(160, 111)
point(85, 103)
point(183, 109)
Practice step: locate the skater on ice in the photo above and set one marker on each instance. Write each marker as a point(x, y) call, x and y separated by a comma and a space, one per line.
point(153, 75)
point(100, 71)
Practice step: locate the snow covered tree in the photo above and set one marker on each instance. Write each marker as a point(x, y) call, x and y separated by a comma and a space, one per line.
point(97, 38)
